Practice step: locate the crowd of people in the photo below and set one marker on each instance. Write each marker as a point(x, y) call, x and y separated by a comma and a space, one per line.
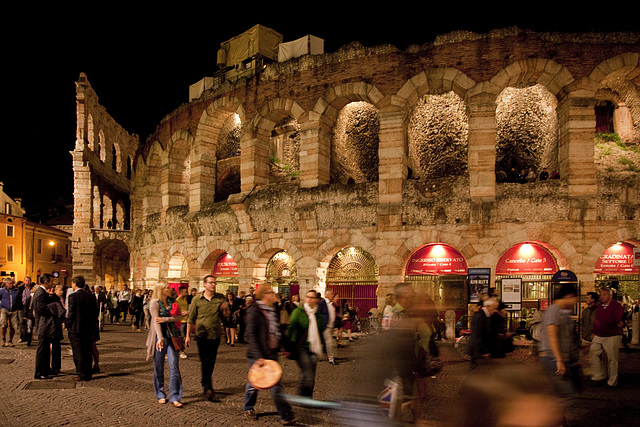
point(525, 176)
point(303, 331)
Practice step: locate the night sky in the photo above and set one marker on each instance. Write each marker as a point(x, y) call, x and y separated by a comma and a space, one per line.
point(141, 64)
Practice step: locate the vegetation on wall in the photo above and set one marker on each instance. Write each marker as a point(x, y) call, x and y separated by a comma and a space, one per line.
point(613, 155)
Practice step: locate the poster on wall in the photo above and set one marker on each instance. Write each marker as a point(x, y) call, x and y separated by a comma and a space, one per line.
point(511, 293)
point(479, 282)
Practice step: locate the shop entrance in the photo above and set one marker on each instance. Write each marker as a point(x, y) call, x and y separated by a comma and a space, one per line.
point(353, 275)
point(281, 275)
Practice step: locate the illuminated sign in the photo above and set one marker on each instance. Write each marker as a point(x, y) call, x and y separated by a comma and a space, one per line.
point(437, 259)
point(526, 258)
point(225, 267)
point(617, 259)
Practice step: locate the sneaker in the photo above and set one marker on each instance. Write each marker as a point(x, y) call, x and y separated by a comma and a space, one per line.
point(291, 422)
point(183, 355)
point(250, 415)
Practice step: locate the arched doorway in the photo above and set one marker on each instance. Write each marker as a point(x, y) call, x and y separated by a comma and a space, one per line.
point(281, 274)
point(111, 264)
point(353, 275)
point(615, 269)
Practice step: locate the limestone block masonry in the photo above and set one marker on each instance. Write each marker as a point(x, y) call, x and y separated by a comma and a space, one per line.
point(172, 228)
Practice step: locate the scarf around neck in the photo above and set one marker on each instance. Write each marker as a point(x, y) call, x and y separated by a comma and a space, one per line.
point(313, 336)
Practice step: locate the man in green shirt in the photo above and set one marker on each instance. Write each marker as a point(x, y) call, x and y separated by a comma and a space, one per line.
point(205, 323)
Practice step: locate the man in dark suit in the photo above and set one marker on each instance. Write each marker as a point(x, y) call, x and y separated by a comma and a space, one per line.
point(82, 315)
point(481, 339)
point(40, 313)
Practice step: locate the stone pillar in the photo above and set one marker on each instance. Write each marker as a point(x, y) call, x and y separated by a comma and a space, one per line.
point(315, 152)
point(82, 245)
point(482, 147)
point(392, 168)
point(577, 122)
point(254, 166)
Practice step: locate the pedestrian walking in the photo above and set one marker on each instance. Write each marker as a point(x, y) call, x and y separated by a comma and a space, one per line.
point(587, 319)
point(559, 350)
point(305, 341)
point(205, 324)
point(136, 310)
point(329, 296)
point(481, 341)
point(124, 299)
point(160, 344)
point(264, 339)
point(607, 336)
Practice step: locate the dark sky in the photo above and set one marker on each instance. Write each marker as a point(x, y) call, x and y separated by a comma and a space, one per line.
point(142, 62)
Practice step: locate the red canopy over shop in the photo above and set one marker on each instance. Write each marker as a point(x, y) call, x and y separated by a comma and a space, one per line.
point(437, 259)
point(225, 266)
point(525, 259)
point(616, 259)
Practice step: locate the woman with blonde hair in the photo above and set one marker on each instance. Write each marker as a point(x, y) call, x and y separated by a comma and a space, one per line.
point(159, 344)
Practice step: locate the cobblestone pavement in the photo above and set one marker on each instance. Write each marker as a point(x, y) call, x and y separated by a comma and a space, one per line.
point(122, 394)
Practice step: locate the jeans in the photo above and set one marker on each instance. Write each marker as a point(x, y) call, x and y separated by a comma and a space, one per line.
point(282, 406)
point(307, 362)
point(567, 385)
point(208, 350)
point(175, 380)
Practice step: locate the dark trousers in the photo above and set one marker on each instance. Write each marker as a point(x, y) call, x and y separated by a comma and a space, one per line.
point(124, 309)
point(208, 350)
point(48, 356)
point(82, 354)
point(307, 362)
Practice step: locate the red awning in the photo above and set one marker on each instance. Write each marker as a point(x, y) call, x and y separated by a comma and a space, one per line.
point(616, 259)
point(436, 259)
point(526, 258)
point(225, 266)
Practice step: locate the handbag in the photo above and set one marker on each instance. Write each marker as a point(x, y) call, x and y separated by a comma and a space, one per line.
point(176, 341)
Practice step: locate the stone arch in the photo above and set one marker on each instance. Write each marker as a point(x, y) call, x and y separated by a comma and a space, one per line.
point(90, 133)
point(203, 155)
point(176, 171)
point(555, 77)
point(152, 270)
point(116, 158)
point(210, 253)
point(102, 146)
point(263, 252)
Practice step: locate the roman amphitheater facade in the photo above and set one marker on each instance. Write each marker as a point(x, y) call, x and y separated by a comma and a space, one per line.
point(337, 168)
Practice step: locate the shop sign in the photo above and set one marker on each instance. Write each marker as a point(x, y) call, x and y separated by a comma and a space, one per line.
point(617, 259)
point(526, 258)
point(437, 260)
point(225, 266)
point(479, 283)
point(564, 276)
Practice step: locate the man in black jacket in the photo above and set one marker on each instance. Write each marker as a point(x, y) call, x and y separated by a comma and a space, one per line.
point(481, 341)
point(82, 315)
point(46, 347)
point(263, 336)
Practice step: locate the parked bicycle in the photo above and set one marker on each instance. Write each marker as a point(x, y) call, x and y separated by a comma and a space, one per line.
point(371, 325)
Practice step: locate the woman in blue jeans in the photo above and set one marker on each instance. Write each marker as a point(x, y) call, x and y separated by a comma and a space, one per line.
point(305, 336)
point(159, 344)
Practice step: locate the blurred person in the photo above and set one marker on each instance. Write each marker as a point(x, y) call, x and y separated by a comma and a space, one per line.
point(25, 292)
point(160, 345)
point(587, 319)
point(389, 302)
point(204, 322)
point(10, 305)
point(329, 296)
point(607, 336)
point(146, 316)
point(304, 340)
point(101, 299)
point(183, 306)
point(264, 339)
point(559, 349)
point(27, 315)
point(81, 322)
point(230, 322)
point(481, 340)
point(426, 350)
point(136, 310)
point(112, 305)
point(507, 395)
point(124, 299)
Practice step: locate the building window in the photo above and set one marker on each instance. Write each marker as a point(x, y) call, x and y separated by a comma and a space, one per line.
point(10, 231)
point(10, 253)
point(7, 208)
point(66, 251)
point(39, 246)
